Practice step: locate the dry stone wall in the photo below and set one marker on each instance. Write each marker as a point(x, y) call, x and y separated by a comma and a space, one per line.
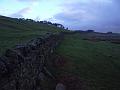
point(22, 67)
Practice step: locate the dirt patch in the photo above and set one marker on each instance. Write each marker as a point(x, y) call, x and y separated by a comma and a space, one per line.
point(115, 41)
point(71, 81)
point(60, 61)
point(92, 40)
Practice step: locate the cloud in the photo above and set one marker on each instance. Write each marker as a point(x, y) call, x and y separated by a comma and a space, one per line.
point(3, 11)
point(27, 0)
point(22, 12)
point(17, 15)
point(91, 14)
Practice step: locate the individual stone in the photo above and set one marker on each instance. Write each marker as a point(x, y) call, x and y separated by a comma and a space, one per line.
point(60, 86)
point(3, 68)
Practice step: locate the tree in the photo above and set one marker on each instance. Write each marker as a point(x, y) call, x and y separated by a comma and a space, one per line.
point(90, 31)
point(109, 32)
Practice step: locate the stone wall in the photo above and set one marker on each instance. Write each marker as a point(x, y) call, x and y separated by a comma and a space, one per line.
point(23, 67)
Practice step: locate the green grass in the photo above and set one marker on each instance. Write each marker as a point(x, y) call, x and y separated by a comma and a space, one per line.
point(96, 62)
point(13, 31)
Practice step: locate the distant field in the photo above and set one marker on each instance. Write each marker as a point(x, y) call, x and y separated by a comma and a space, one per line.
point(14, 31)
point(96, 62)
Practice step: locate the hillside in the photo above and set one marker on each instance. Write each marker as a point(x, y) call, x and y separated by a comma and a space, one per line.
point(16, 31)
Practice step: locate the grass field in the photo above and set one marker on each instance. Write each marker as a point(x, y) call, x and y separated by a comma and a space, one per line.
point(13, 31)
point(96, 62)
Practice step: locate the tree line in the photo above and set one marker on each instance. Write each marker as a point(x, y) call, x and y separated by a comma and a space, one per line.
point(44, 22)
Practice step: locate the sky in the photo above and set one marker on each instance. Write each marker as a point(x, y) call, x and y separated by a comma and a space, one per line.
point(98, 15)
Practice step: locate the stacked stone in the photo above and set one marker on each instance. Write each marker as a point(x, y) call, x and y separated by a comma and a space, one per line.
point(21, 68)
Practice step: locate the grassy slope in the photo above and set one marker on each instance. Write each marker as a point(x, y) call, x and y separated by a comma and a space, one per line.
point(96, 62)
point(13, 31)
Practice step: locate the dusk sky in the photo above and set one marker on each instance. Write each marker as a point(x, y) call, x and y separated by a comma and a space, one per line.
point(100, 15)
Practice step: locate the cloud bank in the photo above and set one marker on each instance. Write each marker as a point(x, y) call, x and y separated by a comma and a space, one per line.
point(101, 15)
point(27, 0)
point(22, 12)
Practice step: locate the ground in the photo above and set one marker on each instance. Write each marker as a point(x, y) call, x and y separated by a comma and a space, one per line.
point(94, 64)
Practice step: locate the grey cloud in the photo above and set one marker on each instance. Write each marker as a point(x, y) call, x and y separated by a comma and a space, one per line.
point(17, 15)
point(27, 0)
point(25, 10)
point(20, 13)
point(92, 15)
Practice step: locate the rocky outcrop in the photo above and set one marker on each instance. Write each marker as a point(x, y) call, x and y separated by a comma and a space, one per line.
point(24, 67)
